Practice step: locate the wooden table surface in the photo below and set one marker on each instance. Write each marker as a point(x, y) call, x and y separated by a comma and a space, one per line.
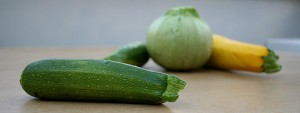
point(207, 90)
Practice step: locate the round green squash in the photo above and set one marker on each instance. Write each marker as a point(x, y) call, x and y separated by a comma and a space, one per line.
point(179, 40)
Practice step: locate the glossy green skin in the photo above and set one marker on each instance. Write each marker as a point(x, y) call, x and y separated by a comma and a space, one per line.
point(98, 80)
point(133, 53)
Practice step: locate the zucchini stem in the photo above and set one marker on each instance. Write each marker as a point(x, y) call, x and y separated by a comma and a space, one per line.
point(174, 86)
point(270, 62)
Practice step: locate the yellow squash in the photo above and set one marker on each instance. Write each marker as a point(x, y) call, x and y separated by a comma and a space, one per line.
point(234, 55)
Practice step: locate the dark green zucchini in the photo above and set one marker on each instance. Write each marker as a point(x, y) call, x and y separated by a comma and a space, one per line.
point(133, 53)
point(98, 80)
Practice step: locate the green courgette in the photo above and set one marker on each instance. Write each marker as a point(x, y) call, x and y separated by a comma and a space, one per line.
point(98, 80)
point(132, 53)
